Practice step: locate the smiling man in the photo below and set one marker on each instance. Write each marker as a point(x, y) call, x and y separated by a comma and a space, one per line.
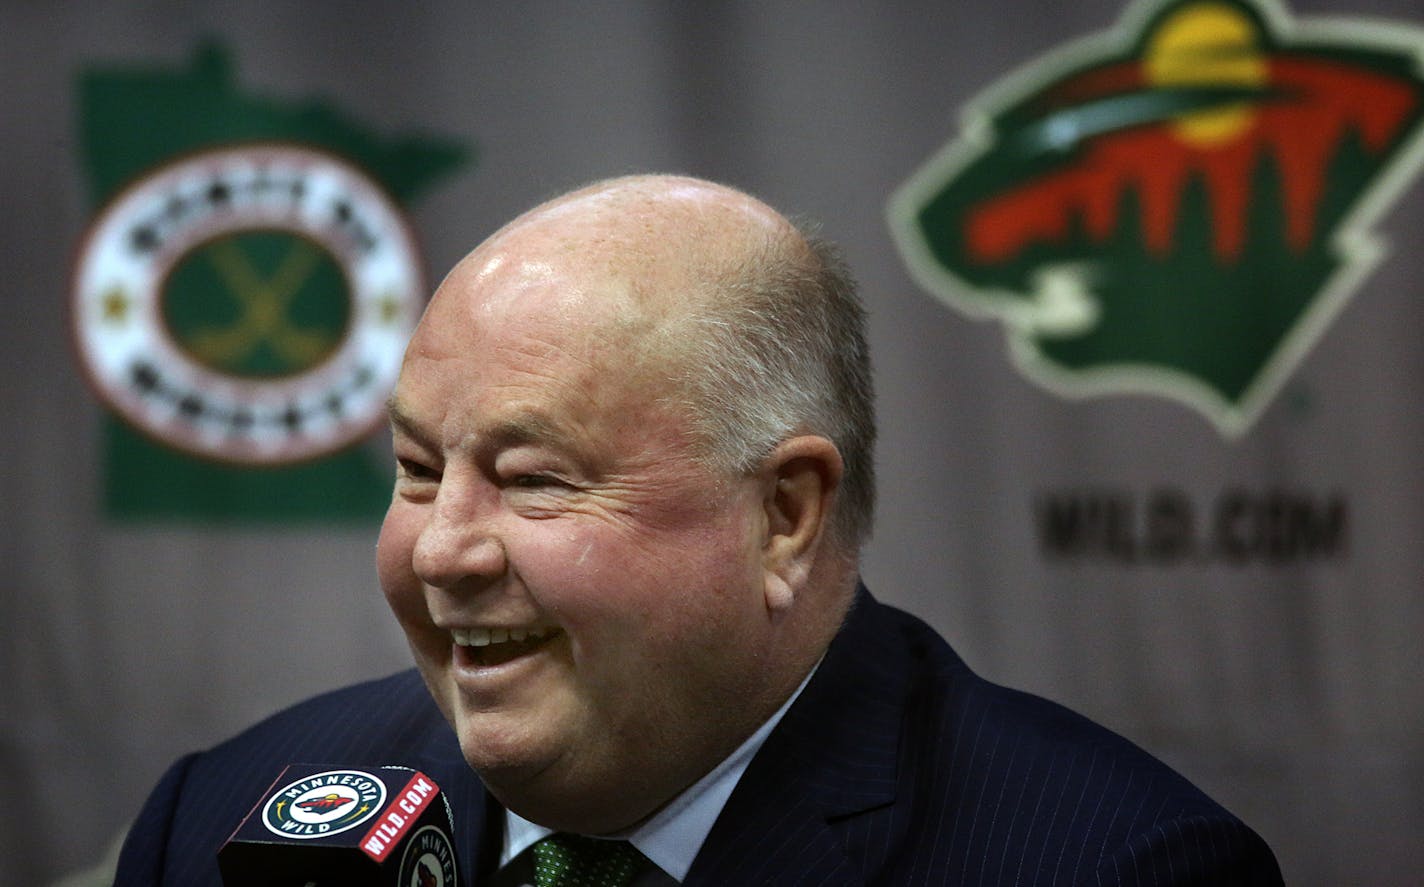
point(633, 436)
point(602, 607)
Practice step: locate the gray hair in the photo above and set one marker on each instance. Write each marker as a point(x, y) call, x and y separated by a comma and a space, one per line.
point(776, 348)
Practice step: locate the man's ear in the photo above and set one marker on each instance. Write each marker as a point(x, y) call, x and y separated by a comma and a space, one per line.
point(800, 480)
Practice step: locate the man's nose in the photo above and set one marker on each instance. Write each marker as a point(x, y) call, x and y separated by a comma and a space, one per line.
point(459, 543)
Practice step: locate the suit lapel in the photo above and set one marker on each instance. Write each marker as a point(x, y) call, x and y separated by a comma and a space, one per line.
point(830, 762)
point(794, 846)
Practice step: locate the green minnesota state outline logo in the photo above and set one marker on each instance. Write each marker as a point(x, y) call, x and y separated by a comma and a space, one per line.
point(249, 303)
point(1177, 207)
point(243, 293)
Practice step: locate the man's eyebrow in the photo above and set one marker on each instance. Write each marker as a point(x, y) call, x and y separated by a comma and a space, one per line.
point(400, 419)
point(524, 428)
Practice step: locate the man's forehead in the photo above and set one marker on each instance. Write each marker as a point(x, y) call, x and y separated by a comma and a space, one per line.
point(505, 365)
point(522, 313)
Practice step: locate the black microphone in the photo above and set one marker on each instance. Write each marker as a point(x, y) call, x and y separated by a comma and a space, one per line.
point(319, 826)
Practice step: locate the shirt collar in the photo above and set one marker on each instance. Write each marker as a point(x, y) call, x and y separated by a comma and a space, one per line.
point(672, 837)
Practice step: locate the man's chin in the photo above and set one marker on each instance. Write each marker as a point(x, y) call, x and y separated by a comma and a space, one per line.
point(542, 789)
point(504, 765)
point(525, 787)
point(559, 795)
point(552, 807)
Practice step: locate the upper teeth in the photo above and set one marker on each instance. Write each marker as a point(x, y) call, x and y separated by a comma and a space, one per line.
point(483, 637)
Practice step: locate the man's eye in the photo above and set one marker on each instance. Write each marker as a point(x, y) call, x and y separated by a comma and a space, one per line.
point(416, 471)
point(535, 481)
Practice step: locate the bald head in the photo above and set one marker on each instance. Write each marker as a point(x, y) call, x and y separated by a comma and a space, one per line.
point(749, 326)
point(663, 235)
point(647, 209)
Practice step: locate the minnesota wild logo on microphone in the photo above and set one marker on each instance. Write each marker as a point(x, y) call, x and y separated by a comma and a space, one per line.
point(324, 804)
point(1179, 207)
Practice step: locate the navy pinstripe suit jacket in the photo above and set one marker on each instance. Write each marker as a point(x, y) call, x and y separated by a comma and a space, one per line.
point(896, 766)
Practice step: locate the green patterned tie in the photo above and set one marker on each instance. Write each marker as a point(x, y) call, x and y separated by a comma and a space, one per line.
point(564, 860)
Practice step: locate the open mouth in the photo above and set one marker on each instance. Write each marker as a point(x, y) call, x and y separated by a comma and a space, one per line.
point(484, 647)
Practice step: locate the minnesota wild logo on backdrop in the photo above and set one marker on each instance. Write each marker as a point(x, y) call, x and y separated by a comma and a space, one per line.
point(1178, 207)
point(243, 297)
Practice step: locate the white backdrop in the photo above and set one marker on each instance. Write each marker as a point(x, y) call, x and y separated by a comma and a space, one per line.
point(1288, 687)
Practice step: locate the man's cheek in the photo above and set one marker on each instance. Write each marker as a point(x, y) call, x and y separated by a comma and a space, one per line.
point(396, 542)
point(402, 590)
